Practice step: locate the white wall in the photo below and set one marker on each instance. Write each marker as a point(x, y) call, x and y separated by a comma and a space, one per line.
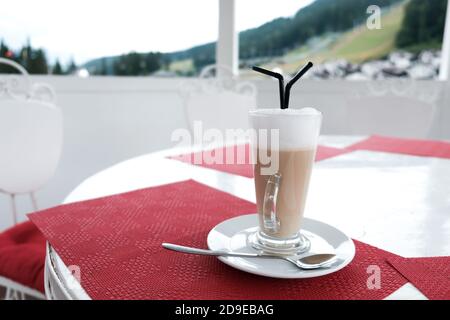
point(108, 120)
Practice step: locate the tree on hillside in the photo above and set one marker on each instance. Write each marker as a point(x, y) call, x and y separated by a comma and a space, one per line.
point(164, 61)
point(3, 49)
point(424, 23)
point(136, 64)
point(37, 63)
point(33, 60)
point(153, 62)
point(204, 56)
point(103, 67)
point(57, 69)
point(25, 55)
point(5, 53)
point(119, 67)
point(127, 64)
point(72, 67)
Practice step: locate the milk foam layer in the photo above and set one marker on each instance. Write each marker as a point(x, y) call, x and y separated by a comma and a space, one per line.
point(298, 128)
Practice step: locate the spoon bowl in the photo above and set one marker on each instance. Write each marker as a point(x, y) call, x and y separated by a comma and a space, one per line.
point(314, 261)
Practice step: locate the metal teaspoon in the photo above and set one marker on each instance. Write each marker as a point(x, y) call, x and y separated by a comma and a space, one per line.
point(314, 261)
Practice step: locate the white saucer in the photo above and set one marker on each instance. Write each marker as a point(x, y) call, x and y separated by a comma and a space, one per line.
point(232, 234)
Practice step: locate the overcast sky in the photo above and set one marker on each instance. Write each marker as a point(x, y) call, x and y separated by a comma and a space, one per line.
point(86, 29)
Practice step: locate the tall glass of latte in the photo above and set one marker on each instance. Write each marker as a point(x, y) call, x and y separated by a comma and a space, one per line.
point(284, 148)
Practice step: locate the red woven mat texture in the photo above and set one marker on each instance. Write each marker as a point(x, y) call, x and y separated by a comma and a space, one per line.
point(415, 147)
point(430, 275)
point(116, 242)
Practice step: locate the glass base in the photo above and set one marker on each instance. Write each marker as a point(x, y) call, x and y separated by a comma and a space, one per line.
point(295, 245)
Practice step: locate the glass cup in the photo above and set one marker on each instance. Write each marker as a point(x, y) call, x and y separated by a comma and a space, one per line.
point(283, 148)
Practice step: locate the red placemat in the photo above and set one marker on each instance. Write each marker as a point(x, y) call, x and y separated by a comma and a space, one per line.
point(241, 166)
point(116, 242)
point(430, 275)
point(426, 148)
point(324, 152)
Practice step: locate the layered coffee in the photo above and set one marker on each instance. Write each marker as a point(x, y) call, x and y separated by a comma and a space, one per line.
point(283, 165)
point(294, 168)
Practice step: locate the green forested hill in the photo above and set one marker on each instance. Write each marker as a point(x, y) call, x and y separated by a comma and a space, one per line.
point(356, 45)
point(283, 34)
point(413, 24)
point(274, 38)
point(423, 25)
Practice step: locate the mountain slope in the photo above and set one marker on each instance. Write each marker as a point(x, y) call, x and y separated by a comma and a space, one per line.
point(283, 34)
point(336, 26)
point(356, 45)
point(423, 25)
point(322, 16)
point(363, 44)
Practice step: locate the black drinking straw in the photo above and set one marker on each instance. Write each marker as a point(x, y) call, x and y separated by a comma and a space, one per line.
point(284, 94)
point(293, 80)
point(280, 81)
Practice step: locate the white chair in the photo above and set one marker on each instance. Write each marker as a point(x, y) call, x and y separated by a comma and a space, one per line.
point(31, 133)
point(397, 108)
point(219, 102)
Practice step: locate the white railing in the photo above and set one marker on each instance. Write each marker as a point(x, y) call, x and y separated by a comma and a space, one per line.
point(445, 63)
point(107, 97)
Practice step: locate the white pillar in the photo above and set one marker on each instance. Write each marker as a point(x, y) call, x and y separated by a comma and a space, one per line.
point(227, 49)
point(444, 73)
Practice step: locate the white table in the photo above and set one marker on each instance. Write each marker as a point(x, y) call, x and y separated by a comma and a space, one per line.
point(399, 203)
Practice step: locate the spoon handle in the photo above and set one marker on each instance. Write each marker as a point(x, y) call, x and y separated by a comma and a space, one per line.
point(176, 247)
